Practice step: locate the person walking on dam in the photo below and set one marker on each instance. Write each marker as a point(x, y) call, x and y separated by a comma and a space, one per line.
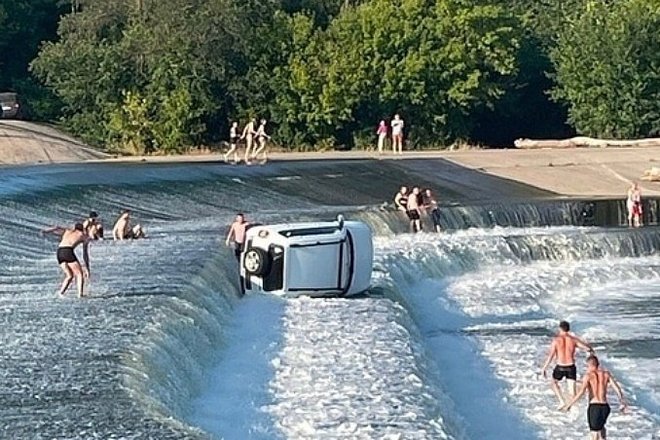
point(634, 205)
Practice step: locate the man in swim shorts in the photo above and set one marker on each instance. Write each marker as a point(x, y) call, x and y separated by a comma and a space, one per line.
point(236, 235)
point(414, 210)
point(596, 381)
point(66, 257)
point(563, 349)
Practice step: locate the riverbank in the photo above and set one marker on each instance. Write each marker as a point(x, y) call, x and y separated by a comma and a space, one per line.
point(579, 172)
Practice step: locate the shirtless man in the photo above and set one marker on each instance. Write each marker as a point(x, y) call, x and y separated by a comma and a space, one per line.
point(563, 348)
point(66, 257)
point(236, 235)
point(414, 210)
point(123, 229)
point(596, 381)
point(248, 135)
point(401, 199)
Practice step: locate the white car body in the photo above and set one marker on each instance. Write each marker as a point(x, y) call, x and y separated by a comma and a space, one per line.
point(314, 259)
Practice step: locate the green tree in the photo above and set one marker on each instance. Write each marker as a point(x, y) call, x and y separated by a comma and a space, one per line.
point(608, 69)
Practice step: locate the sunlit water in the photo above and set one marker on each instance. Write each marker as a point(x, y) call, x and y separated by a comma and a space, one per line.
point(447, 344)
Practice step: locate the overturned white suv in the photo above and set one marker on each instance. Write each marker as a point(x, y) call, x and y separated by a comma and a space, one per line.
point(315, 259)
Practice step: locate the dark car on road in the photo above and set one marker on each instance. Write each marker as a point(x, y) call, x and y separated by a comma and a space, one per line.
point(11, 107)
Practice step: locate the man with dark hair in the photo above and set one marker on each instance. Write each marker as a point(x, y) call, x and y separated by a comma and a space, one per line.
point(93, 226)
point(596, 381)
point(563, 348)
point(66, 257)
point(236, 235)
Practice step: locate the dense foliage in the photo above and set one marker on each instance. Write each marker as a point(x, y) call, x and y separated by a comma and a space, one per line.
point(159, 75)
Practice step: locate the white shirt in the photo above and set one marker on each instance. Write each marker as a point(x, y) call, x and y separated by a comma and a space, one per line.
point(397, 126)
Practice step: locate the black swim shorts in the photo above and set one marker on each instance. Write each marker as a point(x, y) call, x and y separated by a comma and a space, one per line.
point(238, 248)
point(564, 371)
point(413, 214)
point(597, 415)
point(66, 255)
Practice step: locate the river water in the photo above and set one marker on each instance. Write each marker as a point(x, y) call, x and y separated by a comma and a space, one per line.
point(447, 343)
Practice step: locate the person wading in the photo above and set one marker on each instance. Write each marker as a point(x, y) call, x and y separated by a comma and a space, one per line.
point(66, 256)
point(563, 349)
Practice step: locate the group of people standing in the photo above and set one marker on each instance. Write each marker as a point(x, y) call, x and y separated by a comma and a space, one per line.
point(82, 233)
point(595, 381)
point(397, 125)
point(417, 204)
point(255, 141)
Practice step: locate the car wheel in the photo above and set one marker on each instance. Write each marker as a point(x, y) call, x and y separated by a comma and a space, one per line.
point(255, 262)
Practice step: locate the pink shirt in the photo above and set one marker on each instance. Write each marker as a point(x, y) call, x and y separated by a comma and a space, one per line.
point(382, 129)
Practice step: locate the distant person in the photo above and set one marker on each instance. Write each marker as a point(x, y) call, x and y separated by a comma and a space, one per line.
point(66, 256)
point(401, 199)
point(123, 229)
point(431, 207)
point(236, 235)
point(262, 138)
point(397, 134)
point(382, 135)
point(634, 205)
point(93, 226)
point(248, 135)
point(563, 349)
point(596, 381)
point(414, 211)
point(233, 142)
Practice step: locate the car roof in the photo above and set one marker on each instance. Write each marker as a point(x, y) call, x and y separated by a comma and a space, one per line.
point(8, 95)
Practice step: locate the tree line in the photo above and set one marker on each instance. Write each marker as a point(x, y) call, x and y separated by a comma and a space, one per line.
point(146, 76)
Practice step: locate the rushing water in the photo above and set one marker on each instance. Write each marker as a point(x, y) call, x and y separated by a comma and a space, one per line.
point(447, 344)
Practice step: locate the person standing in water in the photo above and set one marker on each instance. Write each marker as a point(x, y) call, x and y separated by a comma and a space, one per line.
point(596, 382)
point(236, 235)
point(123, 229)
point(66, 256)
point(414, 210)
point(397, 134)
point(262, 137)
point(563, 349)
point(382, 135)
point(248, 135)
point(401, 199)
point(431, 208)
point(233, 141)
point(93, 226)
point(634, 205)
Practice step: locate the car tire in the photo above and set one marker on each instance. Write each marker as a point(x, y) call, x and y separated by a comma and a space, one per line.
point(256, 262)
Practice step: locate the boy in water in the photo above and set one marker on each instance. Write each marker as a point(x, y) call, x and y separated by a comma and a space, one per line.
point(596, 381)
point(563, 348)
point(66, 257)
point(414, 210)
